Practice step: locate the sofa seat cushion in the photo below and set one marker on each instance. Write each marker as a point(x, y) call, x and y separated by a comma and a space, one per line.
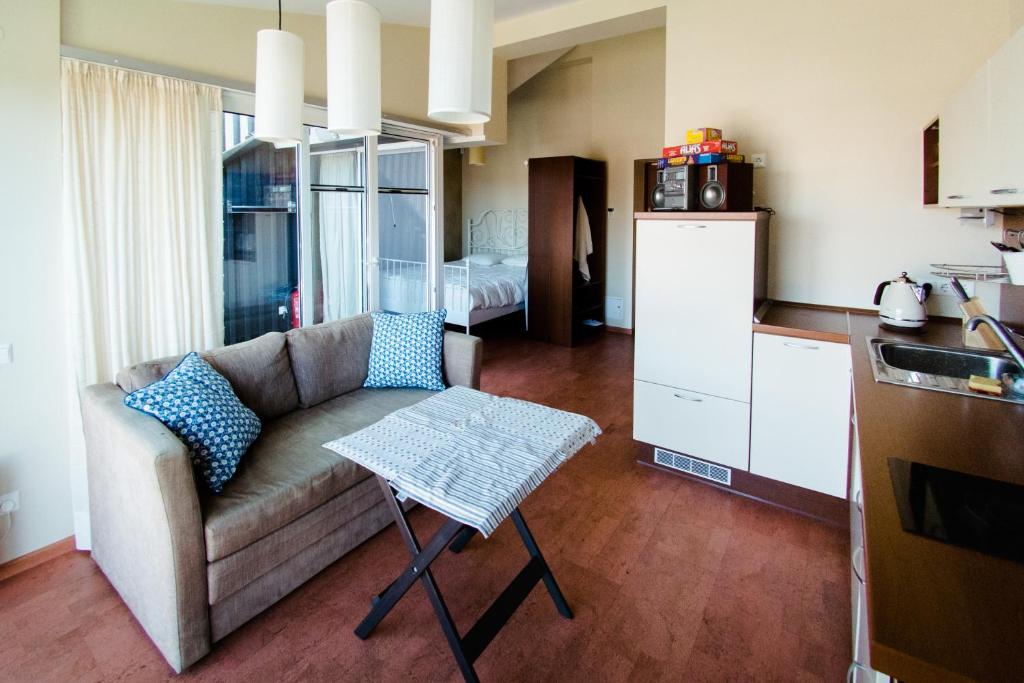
point(227, 576)
point(287, 472)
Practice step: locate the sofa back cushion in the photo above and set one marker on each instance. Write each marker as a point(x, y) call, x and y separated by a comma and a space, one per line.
point(330, 359)
point(259, 370)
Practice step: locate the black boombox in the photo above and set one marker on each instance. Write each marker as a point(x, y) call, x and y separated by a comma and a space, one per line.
point(707, 187)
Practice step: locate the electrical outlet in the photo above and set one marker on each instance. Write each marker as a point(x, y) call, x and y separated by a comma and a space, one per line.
point(942, 287)
point(613, 308)
point(9, 502)
point(759, 160)
point(6, 354)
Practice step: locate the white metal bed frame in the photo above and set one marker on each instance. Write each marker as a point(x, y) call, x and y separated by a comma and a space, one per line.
point(502, 232)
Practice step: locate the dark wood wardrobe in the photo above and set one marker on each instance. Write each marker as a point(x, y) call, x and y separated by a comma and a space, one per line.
point(560, 299)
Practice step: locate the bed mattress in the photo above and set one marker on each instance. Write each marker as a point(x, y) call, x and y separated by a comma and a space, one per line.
point(489, 287)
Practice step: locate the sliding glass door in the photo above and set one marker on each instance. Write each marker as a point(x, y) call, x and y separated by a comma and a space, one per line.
point(403, 223)
point(261, 234)
point(328, 229)
point(337, 225)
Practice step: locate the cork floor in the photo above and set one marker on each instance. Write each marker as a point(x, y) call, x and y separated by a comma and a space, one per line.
point(669, 579)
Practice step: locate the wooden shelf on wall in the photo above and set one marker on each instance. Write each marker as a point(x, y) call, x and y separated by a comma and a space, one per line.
point(930, 145)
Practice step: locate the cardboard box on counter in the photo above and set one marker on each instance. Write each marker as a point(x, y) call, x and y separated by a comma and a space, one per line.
point(713, 147)
point(675, 161)
point(698, 135)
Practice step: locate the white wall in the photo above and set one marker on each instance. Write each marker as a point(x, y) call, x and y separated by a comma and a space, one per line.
point(33, 391)
point(602, 100)
point(220, 41)
point(837, 94)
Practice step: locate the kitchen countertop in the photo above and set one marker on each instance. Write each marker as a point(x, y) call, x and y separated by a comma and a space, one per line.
point(936, 612)
point(699, 215)
point(805, 322)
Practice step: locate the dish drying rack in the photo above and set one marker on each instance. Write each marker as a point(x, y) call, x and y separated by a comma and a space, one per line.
point(967, 272)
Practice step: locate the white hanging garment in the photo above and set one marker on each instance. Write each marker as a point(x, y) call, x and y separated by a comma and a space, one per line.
point(584, 240)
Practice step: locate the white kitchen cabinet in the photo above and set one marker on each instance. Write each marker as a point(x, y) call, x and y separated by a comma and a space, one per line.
point(800, 412)
point(964, 144)
point(706, 427)
point(981, 139)
point(694, 302)
point(1006, 133)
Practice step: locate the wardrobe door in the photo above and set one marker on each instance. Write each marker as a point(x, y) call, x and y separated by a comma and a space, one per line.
point(551, 212)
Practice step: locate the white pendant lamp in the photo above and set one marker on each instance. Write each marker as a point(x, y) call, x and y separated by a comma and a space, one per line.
point(280, 86)
point(353, 68)
point(461, 50)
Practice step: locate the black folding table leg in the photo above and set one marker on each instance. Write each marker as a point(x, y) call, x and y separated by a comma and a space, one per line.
point(420, 569)
point(548, 577)
point(462, 539)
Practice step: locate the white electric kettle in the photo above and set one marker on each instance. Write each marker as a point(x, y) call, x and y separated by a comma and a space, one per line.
point(901, 303)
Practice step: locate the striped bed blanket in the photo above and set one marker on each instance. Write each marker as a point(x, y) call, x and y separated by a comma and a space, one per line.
point(469, 455)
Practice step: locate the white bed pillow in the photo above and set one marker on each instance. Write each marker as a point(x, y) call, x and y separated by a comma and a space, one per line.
point(483, 259)
point(519, 261)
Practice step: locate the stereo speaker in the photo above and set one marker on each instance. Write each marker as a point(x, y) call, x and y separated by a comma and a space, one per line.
point(726, 187)
point(676, 189)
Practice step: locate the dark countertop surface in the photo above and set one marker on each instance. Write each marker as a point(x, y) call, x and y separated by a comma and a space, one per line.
point(699, 215)
point(807, 322)
point(936, 612)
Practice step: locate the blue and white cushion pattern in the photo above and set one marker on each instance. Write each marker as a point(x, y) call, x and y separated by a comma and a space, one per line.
point(198, 404)
point(406, 350)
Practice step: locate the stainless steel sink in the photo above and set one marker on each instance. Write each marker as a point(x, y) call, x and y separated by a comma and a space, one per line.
point(937, 367)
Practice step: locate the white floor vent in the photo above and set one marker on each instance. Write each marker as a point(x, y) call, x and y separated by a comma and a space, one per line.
point(698, 468)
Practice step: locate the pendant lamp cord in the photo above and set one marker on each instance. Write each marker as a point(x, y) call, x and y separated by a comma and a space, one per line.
point(278, 15)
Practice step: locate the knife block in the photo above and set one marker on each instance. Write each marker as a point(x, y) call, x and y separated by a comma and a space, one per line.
point(983, 337)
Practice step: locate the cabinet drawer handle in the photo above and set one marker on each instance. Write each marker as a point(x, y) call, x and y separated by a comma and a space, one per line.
point(859, 500)
point(859, 552)
point(1006, 190)
point(690, 225)
point(689, 398)
point(804, 347)
point(956, 196)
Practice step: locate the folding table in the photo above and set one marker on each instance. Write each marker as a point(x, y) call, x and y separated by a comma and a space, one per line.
point(474, 458)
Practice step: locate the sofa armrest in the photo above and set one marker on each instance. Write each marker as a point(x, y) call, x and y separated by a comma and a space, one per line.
point(147, 527)
point(463, 356)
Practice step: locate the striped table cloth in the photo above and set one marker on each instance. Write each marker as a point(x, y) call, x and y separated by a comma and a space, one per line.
point(469, 455)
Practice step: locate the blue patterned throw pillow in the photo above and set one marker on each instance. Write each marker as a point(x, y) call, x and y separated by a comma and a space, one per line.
point(198, 404)
point(406, 350)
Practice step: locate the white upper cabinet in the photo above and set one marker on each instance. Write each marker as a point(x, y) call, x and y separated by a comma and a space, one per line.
point(1006, 118)
point(963, 144)
point(694, 294)
point(981, 139)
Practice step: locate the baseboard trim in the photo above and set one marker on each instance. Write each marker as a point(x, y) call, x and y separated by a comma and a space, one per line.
point(36, 558)
point(619, 330)
point(819, 506)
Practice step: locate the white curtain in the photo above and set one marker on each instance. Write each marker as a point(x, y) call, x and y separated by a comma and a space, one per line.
point(142, 215)
point(340, 218)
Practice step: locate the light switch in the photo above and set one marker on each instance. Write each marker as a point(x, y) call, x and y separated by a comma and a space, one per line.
point(6, 354)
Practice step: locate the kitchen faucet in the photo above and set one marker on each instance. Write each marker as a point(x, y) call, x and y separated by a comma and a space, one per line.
point(1010, 339)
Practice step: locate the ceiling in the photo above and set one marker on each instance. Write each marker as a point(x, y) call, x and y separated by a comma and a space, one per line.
point(414, 12)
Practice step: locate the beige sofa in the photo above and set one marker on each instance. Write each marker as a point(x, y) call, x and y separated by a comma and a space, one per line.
point(193, 566)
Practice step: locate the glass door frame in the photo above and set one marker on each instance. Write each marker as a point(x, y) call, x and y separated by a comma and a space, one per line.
point(435, 219)
point(312, 115)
